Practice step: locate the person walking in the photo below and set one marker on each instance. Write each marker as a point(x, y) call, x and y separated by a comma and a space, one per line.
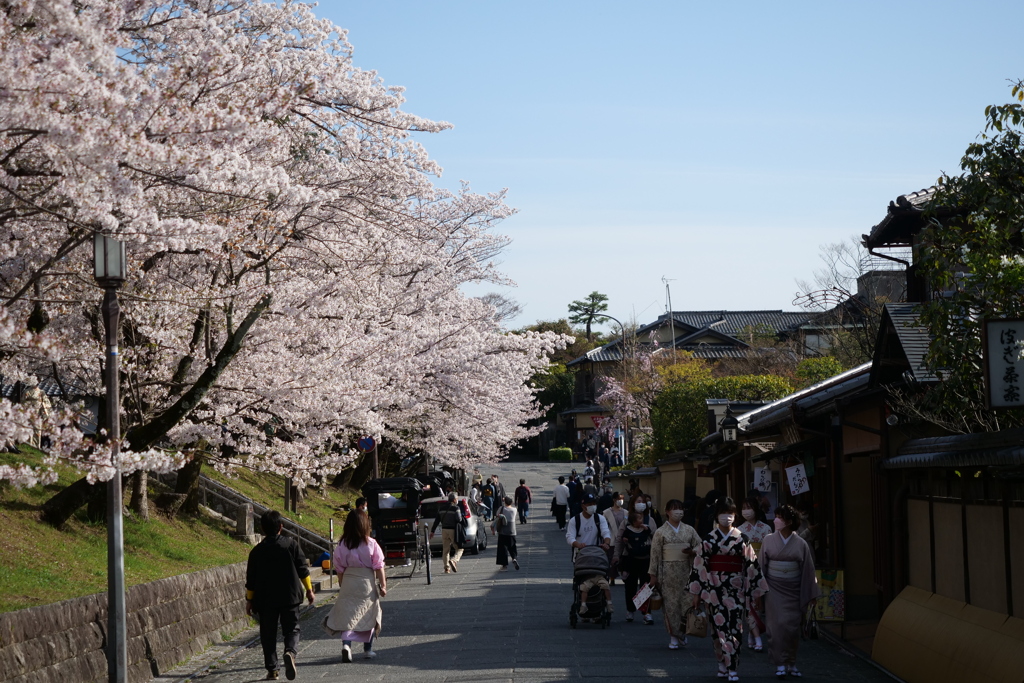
point(276, 580)
point(499, 494)
point(575, 494)
point(523, 498)
point(672, 550)
point(725, 576)
point(357, 614)
point(450, 516)
point(788, 565)
point(561, 503)
point(638, 504)
point(755, 528)
point(504, 525)
point(487, 494)
point(586, 529)
point(614, 514)
point(632, 559)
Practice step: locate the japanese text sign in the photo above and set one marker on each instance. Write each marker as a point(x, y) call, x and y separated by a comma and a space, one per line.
point(797, 480)
point(1003, 347)
point(762, 479)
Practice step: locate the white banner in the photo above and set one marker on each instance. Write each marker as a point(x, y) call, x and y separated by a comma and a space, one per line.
point(762, 479)
point(797, 480)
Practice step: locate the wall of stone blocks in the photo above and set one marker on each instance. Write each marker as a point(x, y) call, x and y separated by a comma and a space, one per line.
point(168, 621)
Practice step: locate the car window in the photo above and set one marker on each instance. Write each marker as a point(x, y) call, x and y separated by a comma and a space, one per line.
point(429, 510)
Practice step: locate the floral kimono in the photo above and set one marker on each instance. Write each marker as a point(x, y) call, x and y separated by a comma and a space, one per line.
point(726, 575)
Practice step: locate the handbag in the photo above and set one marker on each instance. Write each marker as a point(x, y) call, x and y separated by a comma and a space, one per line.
point(809, 627)
point(696, 624)
point(656, 600)
point(460, 535)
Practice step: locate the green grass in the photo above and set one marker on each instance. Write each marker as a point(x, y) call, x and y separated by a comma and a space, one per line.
point(41, 565)
point(315, 510)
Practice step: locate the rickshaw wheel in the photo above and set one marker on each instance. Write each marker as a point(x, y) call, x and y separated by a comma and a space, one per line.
point(426, 553)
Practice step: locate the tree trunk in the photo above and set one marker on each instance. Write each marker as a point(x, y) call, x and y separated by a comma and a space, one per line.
point(140, 495)
point(362, 472)
point(59, 508)
point(141, 437)
point(188, 484)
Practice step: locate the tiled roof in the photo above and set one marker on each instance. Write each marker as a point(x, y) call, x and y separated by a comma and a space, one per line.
point(842, 384)
point(47, 384)
point(902, 219)
point(733, 323)
point(723, 324)
point(962, 450)
point(913, 337)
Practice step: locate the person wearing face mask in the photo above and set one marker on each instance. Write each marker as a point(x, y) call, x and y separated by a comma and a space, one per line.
point(633, 558)
point(789, 568)
point(585, 529)
point(614, 513)
point(755, 528)
point(726, 575)
point(672, 551)
point(638, 504)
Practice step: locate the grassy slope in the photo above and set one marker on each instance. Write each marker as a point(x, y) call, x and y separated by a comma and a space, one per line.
point(315, 510)
point(41, 565)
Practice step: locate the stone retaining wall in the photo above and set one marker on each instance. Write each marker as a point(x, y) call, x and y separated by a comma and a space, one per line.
point(168, 621)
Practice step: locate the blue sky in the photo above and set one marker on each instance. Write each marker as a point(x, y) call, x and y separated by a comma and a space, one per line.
point(715, 144)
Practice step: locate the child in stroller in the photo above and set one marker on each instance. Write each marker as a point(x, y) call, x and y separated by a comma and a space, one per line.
point(592, 596)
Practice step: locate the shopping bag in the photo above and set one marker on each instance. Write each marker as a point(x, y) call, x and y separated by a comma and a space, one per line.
point(696, 624)
point(642, 595)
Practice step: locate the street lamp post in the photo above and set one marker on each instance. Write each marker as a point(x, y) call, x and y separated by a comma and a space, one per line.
point(110, 270)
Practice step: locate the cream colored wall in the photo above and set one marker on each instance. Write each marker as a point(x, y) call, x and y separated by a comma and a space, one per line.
point(649, 485)
point(986, 564)
point(1017, 558)
point(949, 551)
point(919, 550)
point(672, 485)
point(704, 484)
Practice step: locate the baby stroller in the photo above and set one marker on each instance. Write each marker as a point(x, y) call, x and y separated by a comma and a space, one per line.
point(590, 562)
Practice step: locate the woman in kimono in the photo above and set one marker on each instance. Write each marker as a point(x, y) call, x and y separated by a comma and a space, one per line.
point(788, 565)
point(672, 550)
point(725, 576)
point(356, 615)
point(755, 528)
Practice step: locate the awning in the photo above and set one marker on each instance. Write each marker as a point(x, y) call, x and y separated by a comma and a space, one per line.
point(1008, 457)
point(791, 449)
point(987, 449)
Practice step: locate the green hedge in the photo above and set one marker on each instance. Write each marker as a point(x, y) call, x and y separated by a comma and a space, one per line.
point(560, 455)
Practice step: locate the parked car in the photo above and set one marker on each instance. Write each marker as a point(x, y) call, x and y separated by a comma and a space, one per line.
point(476, 531)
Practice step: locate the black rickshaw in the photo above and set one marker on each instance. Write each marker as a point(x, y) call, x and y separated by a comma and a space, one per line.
point(394, 507)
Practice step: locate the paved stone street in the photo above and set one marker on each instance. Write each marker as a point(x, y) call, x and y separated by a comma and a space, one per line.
point(482, 625)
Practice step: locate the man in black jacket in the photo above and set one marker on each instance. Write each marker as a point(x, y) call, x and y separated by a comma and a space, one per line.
point(275, 578)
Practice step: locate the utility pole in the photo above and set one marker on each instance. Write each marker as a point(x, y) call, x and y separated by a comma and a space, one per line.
point(671, 317)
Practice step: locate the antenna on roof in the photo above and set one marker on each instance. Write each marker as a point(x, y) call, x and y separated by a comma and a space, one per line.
point(671, 317)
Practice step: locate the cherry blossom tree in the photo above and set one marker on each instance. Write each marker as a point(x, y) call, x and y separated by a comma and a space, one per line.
point(297, 278)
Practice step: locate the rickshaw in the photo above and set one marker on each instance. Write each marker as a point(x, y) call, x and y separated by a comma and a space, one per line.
point(394, 507)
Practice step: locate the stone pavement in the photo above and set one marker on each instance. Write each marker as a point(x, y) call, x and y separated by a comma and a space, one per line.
point(483, 625)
